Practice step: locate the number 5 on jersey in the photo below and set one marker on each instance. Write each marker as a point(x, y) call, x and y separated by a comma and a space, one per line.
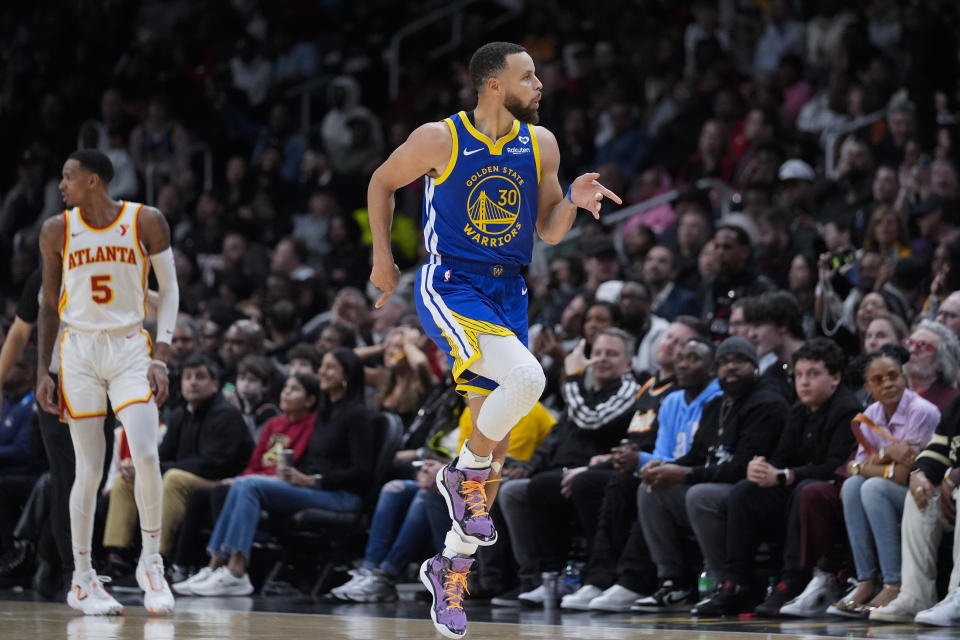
point(102, 293)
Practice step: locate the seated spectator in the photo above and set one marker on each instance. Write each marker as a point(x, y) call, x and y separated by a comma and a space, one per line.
point(405, 377)
point(291, 430)
point(645, 327)
point(411, 516)
point(766, 505)
point(776, 330)
point(870, 306)
point(19, 462)
point(335, 335)
point(617, 572)
point(690, 493)
point(535, 504)
point(205, 442)
point(669, 300)
point(948, 314)
point(254, 377)
point(305, 358)
point(891, 432)
point(332, 474)
point(884, 328)
point(932, 368)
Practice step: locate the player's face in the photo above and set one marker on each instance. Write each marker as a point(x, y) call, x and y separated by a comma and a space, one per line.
point(522, 88)
point(73, 183)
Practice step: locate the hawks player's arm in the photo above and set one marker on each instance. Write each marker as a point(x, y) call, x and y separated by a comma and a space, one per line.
point(555, 211)
point(154, 232)
point(428, 151)
point(48, 318)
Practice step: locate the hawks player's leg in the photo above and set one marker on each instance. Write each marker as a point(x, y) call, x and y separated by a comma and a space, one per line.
point(86, 592)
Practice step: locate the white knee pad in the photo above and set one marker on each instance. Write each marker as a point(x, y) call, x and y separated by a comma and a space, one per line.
point(518, 392)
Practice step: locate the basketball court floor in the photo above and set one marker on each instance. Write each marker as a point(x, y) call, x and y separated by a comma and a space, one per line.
point(264, 618)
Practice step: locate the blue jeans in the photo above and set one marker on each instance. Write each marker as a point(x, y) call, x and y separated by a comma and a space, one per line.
point(248, 495)
point(872, 510)
point(406, 520)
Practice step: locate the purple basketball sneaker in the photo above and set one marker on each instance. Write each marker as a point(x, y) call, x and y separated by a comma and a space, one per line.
point(467, 503)
point(446, 580)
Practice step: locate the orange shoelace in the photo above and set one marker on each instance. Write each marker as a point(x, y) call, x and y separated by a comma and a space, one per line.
point(453, 587)
point(475, 495)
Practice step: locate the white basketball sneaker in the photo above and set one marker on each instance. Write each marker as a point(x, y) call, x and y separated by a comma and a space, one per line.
point(157, 597)
point(88, 595)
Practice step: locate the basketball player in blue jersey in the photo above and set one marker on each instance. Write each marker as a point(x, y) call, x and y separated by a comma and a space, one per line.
point(491, 182)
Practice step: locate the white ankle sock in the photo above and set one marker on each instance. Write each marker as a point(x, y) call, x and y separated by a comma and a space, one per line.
point(454, 545)
point(469, 460)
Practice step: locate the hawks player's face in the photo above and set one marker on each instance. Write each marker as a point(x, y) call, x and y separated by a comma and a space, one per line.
point(74, 183)
point(522, 88)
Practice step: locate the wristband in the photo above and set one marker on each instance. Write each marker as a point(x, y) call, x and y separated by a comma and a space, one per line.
point(569, 189)
point(888, 470)
point(948, 480)
point(782, 477)
point(161, 364)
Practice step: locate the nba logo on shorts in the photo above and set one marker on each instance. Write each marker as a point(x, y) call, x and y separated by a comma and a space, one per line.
point(446, 276)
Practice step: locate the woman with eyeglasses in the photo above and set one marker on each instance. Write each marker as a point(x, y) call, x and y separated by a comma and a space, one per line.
point(891, 432)
point(932, 369)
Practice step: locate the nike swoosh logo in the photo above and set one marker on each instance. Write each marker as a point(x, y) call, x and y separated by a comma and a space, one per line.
point(76, 233)
point(470, 153)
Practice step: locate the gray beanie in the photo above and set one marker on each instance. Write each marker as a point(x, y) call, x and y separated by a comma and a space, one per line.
point(739, 346)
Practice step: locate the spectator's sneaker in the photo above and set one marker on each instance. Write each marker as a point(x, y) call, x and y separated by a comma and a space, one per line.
point(822, 590)
point(17, 564)
point(903, 608)
point(945, 613)
point(185, 587)
point(88, 595)
point(616, 599)
point(667, 598)
point(377, 587)
point(357, 577)
point(783, 593)
point(580, 599)
point(446, 580)
point(510, 598)
point(852, 605)
point(224, 583)
point(730, 600)
point(466, 499)
point(157, 597)
point(117, 567)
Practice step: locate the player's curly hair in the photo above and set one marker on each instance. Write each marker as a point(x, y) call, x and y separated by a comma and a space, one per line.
point(489, 60)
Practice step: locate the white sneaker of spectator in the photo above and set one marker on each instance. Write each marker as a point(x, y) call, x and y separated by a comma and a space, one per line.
point(357, 577)
point(580, 599)
point(377, 587)
point(945, 613)
point(541, 596)
point(88, 595)
point(223, 583)
point(616, 599)
point(667, 598)
point(904, 608)
point(157, 597)
point(822, 591)
point(185, 588)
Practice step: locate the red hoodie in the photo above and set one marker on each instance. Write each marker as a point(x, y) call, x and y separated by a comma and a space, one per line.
point(279, 433)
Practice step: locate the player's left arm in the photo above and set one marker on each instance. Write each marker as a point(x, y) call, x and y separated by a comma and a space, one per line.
point(556, 211)
point(155, 234)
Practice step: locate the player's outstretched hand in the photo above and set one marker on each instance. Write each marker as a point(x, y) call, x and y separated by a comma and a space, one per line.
point(384, 276)
point(588, 194)
point(45, 388)
point(159, 383)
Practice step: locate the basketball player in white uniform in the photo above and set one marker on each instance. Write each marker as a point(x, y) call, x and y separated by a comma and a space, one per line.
point(96, 257)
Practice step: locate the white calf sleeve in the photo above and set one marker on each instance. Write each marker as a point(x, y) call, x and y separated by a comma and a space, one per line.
point(520, 378)
point(89, 449)
point(141, 423)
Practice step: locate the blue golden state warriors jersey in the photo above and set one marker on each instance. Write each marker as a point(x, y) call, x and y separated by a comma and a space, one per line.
point(483, 207)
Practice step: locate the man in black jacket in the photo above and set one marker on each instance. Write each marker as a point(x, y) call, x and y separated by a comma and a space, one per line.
point(205, 441)
point(535, 504)
point(816, 442)
point(691, 492)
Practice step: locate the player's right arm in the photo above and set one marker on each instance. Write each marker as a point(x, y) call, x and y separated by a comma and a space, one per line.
point(48, 318)
point(426, 151)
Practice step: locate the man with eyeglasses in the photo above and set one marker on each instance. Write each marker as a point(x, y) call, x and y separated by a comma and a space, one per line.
point(932, 368)
point(949, 313)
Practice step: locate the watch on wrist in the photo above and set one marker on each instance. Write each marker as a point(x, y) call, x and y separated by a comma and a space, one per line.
point(854, 468)
point(317, 480)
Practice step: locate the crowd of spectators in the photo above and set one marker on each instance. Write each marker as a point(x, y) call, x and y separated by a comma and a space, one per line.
point(803, 156)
